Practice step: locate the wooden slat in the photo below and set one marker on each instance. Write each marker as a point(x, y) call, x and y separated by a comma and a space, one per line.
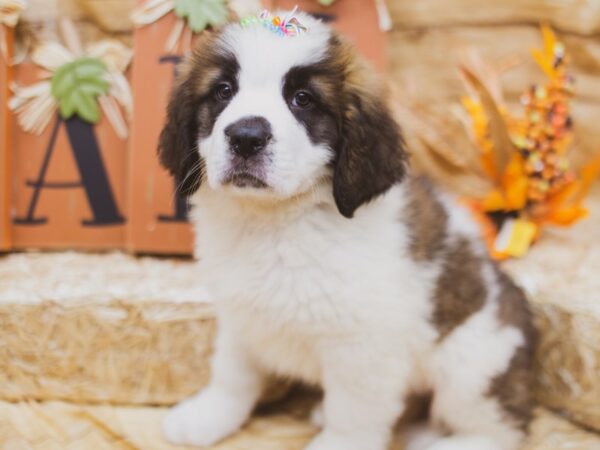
point(154, 225)
point(5, 153)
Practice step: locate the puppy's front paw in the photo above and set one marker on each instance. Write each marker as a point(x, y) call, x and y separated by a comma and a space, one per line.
point(203, 420)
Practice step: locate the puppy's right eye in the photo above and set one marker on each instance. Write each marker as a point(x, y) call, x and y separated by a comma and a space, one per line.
point(224, 91)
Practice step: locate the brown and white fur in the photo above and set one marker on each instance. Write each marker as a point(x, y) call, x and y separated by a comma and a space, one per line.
point(328, 263)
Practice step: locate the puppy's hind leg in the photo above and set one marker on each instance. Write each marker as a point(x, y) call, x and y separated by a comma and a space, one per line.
point(481, 412)
point(224, 405)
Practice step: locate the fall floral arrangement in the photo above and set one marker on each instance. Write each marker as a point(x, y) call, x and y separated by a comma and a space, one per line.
point(527, 159)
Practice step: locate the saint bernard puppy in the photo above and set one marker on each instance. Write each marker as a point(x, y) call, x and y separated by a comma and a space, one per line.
point(329, 264)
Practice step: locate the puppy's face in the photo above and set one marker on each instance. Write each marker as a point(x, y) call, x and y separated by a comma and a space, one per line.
point(255, 114)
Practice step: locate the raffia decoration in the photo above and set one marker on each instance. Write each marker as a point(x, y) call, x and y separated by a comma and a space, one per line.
point(561, 277)
point(102, 328)
point(35, 105)
point(10, 10)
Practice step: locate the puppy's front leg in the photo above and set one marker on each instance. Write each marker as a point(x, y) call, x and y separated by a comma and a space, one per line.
point(362, 402)
point(224, 405)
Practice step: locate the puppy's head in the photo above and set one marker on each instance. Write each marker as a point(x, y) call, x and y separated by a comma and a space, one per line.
point(262, 115)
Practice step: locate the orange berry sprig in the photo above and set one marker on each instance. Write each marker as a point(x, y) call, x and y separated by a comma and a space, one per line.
point(546, 131)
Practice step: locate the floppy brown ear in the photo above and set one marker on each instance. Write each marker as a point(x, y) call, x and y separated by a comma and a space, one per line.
point(371, 156)
point(177, 147)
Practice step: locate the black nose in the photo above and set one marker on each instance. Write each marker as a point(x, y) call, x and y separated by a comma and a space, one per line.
point(248, 136)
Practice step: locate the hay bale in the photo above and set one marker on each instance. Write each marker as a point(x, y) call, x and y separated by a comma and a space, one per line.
point(102, 328)
point(413, 54)
point(575, 16)
point(561, 277)
point(55, 425)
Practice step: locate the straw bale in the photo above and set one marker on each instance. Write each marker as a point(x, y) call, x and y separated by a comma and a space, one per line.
point(102, 328)
point(575, 16)
point(414, 53)
point(56, 425)
point(561, 277)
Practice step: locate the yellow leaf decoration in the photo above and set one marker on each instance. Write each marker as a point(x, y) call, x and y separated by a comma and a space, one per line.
point(496, 126)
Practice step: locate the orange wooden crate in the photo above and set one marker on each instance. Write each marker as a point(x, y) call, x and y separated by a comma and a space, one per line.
point(158, 220)
point(80, 186)
point(68, 184)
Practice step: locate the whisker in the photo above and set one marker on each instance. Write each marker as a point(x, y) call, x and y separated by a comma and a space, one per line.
point(194, 170)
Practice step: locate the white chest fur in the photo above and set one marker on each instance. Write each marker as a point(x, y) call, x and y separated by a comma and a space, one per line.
point(292, 282)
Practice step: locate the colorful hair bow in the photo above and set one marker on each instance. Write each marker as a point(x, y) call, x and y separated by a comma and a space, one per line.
point(290, 26)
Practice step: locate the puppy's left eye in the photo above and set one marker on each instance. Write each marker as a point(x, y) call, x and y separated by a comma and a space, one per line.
point(302, 99)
